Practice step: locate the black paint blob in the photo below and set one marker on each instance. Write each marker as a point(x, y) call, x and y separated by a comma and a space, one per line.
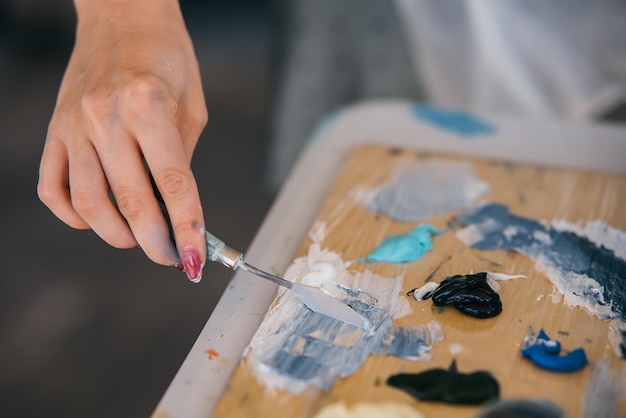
point(470, 294)
point(448, 386)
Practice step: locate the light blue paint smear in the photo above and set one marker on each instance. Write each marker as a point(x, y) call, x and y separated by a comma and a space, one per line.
point(404, 248)
point(459, 122)
point(419, 189)
point(295, 348)
point(545, 353)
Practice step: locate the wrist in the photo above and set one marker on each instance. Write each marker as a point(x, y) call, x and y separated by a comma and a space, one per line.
point(123, 10)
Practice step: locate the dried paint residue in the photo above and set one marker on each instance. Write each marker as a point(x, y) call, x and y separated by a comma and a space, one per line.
point(419, 189)
point(589, 272)
point(295, 347)
point(211, 353)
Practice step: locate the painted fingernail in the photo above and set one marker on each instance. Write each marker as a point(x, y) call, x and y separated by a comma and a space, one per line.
point(179, 266)
point(192, 265)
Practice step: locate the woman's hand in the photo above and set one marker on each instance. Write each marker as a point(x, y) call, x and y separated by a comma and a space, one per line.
point(131, 92)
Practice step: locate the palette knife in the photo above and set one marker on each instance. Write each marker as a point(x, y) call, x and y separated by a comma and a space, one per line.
point(314, 298)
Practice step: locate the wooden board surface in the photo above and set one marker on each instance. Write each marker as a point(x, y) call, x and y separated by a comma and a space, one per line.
point(491, 344)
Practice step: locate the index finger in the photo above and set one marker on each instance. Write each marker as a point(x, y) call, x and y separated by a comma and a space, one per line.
point(175, 181)
point(163, 151)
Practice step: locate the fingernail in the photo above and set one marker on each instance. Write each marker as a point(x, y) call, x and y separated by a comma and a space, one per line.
point(192, 265)
point(179, 266)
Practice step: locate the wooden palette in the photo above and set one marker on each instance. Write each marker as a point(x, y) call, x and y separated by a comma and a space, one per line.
point(490, 344)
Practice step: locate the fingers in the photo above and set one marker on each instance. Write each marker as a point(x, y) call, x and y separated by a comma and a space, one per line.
point(192, 119)
point(136, 201)
point(90, 197)
point(53, 186)
point(149, 113)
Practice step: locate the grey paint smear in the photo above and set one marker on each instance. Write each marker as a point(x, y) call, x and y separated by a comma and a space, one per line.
point(605, 388)
point(574, 264)
point(295, 348)
point(587, 274)
point(419, 189)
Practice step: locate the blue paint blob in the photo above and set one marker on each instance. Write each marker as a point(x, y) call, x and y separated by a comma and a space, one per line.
point(404, 248)
point(545, 353)
point(462, 123)
point(567, 253)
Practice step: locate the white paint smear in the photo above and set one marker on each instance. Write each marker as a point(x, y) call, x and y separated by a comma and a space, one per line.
point(493, 278)
point(295, 347)
point(617, 331)
point(570, 285)
point(317, 232)
point(421, 292)
point(455, 349)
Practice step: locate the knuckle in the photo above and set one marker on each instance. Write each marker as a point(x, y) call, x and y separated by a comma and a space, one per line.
point(129, 204)
point(200, 119)
point(96, 103)
point(54, 129)
point(85, 204)
point(47, 193)
point(145, 92)
point(61, 126)
point(175, 183)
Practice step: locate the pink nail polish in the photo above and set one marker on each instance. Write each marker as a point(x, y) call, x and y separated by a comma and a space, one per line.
point(192, 265)
point(179, 266)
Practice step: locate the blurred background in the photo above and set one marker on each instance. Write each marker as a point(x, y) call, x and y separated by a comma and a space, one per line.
point(87, 330)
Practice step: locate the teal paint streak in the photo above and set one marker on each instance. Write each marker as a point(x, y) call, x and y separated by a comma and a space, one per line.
point(459, 122)
point(404, 248)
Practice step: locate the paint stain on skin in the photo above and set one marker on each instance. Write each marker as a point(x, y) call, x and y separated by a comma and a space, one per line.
point(295, 348)
point(586, 265)
point(404, 248)
point(546, 353)
point(459, 122)
point(211, 353)
point(449, 386)
point(419, 189)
